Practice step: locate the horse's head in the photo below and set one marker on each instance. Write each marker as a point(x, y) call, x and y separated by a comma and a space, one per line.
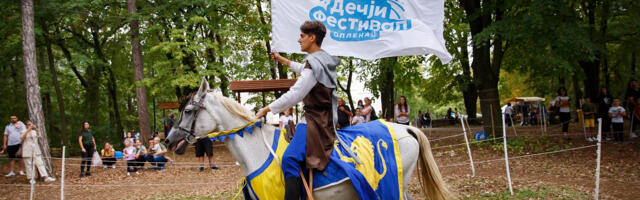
point(196, 121)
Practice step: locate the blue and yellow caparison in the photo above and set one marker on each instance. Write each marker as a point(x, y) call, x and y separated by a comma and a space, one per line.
point(374, 143)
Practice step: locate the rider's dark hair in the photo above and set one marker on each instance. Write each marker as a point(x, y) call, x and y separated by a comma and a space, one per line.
point(314, 28)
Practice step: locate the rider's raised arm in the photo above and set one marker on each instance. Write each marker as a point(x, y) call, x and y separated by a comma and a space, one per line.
point(296, 67)
point(296, 93)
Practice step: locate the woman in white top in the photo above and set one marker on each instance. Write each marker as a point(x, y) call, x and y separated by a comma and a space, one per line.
point(288, 116)
point(366, 111)
point(564, 103)
point(31, 153)
point(402, 111)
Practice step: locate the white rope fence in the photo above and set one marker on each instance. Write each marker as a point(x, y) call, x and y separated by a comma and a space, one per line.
point(471, 163)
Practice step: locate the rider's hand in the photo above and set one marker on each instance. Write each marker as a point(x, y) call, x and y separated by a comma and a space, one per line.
point(83, 150)
point(275, 56)
point(263, 112)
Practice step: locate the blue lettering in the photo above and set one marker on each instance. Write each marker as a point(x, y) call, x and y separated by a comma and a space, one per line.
point(361, 20)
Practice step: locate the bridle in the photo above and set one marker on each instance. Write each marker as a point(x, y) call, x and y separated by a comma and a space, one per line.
point(197, 107)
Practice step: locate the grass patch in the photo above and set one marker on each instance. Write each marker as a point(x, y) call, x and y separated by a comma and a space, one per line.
point(542, 192)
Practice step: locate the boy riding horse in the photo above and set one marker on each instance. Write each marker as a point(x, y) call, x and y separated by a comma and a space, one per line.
point(316, 87)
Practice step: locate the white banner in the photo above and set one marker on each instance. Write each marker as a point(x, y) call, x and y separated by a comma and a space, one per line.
point(367, 29)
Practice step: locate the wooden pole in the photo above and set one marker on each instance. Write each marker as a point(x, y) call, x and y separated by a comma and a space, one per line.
point(493, 124)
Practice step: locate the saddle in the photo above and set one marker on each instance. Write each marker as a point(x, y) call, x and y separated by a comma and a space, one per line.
point(374, 143)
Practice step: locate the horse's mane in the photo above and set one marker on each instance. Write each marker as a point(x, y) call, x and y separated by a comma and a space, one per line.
point(234, 107)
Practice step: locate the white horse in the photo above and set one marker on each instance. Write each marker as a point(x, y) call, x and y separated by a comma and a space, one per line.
point(209, 112)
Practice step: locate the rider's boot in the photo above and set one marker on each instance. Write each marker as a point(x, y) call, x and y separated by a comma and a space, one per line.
point(293, 187)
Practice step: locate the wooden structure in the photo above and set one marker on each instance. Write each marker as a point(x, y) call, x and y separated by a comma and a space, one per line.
point(261, 86)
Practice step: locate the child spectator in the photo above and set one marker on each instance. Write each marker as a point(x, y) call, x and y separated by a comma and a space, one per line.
point(128, 138)
point(617, 112)
point(108, 156)
point(589, 111)
point(130, 156)
point(358, 118)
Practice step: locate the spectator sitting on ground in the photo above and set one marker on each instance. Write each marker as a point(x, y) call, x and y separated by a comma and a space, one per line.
point(141, 151)
point(108, 155)
point(156, 156)
point(358, 118)
point(32, 154)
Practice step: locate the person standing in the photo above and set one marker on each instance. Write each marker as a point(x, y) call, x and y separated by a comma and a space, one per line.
point(88, 146)
point(427, 119)
point(617, 113)
point(632, 96)
point(564, 104)
point(419, 120)
point(31, 153)
point(368, 112)
point(402, 111)
point(205, 146)
point(508, 114)
point(12, 142)
point(589, 110)
point(344, 114)
point(604, 103)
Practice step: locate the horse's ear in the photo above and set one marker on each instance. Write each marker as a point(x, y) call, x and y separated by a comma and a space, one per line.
point(204, 86)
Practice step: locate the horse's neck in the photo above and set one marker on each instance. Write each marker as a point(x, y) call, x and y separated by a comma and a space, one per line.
point(250, 150)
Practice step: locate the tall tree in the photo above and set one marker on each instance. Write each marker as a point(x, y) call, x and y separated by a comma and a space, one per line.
point(488, 52)
point(31, 80)
point(56, 84)
point(138, 68)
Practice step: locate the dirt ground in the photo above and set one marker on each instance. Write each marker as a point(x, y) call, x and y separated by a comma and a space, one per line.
point(562, 175)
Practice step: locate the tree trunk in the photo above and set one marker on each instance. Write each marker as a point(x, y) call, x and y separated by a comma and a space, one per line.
point(386, 91)
point(576, 90)
point(347, 89)
point(469, 92)
point(138, 68)
point(56, 85)
point(486, 73)
point(31, 80)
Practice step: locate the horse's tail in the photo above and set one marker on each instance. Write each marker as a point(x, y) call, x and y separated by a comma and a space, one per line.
point(430, 179)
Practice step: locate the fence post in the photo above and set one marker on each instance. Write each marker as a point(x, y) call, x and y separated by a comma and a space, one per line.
point(506, 155)
point(595, 196)
point(633, 117)
point(473, 169)
point(62, 176)
point(584, 128)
